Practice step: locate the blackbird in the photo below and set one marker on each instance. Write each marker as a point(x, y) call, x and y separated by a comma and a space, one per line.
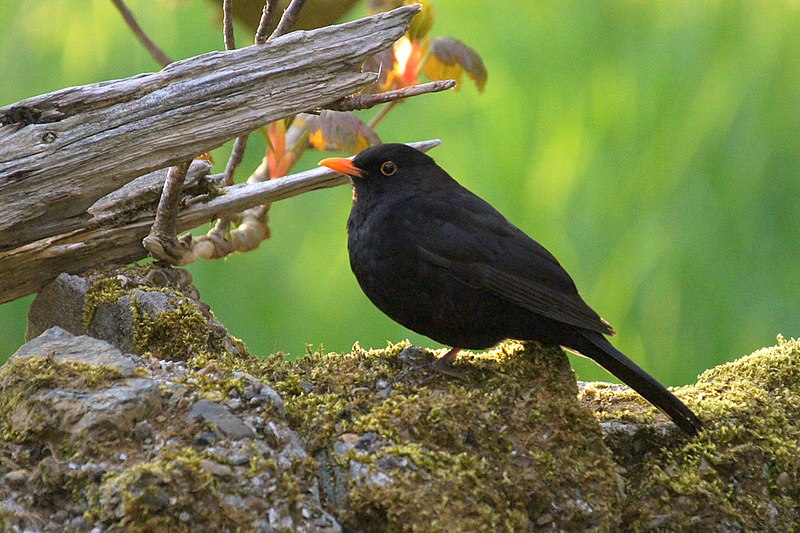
point(443, 262)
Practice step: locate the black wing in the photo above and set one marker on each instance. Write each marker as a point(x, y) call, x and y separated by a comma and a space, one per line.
point(478, 246)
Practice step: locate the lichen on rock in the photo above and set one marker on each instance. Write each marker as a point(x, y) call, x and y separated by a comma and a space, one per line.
point(741, 473)
point(215, 439)
point(504, 446)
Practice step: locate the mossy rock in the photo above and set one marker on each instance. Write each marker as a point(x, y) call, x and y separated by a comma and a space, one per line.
point(504, 446)
point(508, 443)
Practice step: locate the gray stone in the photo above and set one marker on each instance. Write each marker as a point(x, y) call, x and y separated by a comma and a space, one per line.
point(219, 416)
point(263, 393)
point(113, 322)
point(94, 441)
point(216, 469)
point(153, 302)
point(60, 303)
point(238, 460)
point(112, 410)
point(274, 399)
point(64, 346)
point(88, 416)
point(143, 430)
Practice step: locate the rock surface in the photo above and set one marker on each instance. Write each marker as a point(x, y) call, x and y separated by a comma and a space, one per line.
point(132, 409)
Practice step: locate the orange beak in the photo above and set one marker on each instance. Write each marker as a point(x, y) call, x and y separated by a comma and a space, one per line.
point(342, 165)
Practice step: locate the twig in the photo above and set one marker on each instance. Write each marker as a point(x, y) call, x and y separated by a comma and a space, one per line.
point(137, 30)
point(267, 17)
point(245, 195)
point(381, 114)
point(237, 153)
point(252, 224)
point(170, 200)
point(366, 101)
point(288, 19)
point(227, 24)
point(162, 241)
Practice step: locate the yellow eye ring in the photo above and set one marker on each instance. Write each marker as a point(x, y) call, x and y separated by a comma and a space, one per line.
point(388, 168)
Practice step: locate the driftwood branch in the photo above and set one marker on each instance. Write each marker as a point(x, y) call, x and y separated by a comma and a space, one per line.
point(63, 151)
point(81, 169)
point(114, 233)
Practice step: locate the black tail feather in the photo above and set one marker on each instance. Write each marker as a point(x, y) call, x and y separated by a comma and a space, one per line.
point(616, 362)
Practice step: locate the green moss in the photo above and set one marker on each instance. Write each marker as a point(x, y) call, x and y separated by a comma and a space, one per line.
point(477, 459)
point(21, 377)
point(178, 333)
point(505, 446)
point(173, 492)
point(108, 287)
point(174, 334)
point(103, 289)
point(160, 494)
point(741, 471)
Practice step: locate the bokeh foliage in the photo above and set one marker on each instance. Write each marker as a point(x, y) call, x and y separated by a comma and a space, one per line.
point(653, 147)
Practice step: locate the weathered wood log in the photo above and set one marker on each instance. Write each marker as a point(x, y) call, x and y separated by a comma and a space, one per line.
point(61, 152)
point(114, 234)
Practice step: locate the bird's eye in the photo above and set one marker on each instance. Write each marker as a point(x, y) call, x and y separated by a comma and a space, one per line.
point(388, 168)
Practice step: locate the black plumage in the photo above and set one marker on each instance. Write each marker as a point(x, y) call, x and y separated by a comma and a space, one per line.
point(444, 263)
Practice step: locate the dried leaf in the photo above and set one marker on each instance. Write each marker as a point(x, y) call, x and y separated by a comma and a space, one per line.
point(449, 58)
point(422, 22)
point(340, 132)
point(383, 64)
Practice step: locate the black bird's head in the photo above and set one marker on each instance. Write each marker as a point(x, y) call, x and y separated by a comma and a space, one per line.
point(391, 169)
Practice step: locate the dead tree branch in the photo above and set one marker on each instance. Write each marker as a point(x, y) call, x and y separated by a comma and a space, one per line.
point(267, 16)
point(63, 151)
point(69, 160)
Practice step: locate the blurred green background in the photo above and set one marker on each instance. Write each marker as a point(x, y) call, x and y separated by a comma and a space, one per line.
point(653, 147)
